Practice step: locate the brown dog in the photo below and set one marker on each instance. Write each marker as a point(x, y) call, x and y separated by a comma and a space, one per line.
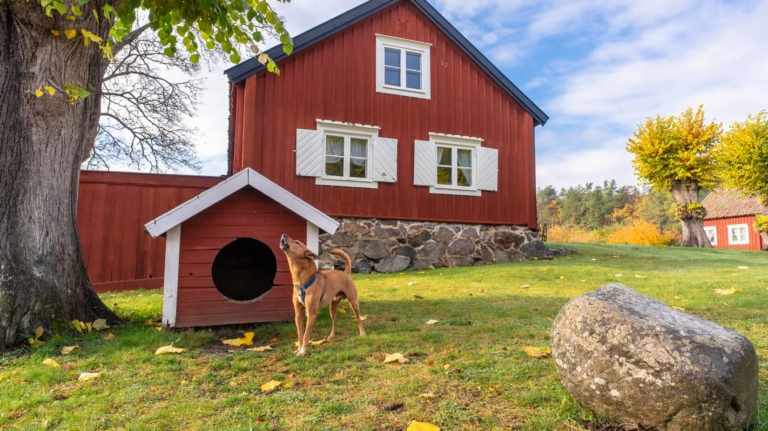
point(313, 289)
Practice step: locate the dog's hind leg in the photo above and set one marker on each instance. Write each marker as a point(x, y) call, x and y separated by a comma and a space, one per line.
point(356, 309)
point(333, 309)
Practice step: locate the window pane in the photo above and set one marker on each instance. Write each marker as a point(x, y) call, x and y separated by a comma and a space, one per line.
point(392, 57)
point(358, 160)
point(464, 158)
point(413, 61)
point(334, 156)
point(413, 80)
point(392, 76)
point(444, 175)
point(444, 156)
point(465, 177)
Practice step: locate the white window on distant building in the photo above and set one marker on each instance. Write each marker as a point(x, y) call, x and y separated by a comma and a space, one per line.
point(346, 154)
point(457, 165)
point(402, 67)
point(711, 232)
point(738, 234)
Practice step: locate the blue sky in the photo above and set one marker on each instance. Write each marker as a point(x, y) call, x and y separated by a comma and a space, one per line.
point(598, 69)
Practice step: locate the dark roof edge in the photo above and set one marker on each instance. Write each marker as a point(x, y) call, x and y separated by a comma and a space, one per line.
point(248, 67)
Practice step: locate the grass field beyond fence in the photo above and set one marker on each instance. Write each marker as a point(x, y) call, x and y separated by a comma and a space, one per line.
point(466, 371)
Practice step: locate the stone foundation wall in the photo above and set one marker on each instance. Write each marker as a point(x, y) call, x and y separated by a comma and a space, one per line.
point(393, 246)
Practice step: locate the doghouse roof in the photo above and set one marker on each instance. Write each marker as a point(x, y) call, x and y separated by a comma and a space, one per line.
point(246, 177)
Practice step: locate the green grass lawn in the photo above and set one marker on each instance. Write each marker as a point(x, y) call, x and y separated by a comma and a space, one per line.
point(467, 371)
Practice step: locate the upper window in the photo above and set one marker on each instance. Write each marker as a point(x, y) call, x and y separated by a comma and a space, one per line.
point(738, 234)
point(346, 154)
point(402, 67)
point(452, 164)
point(711, 232)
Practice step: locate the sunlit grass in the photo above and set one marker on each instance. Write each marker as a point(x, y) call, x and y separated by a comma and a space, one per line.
point(466, 372)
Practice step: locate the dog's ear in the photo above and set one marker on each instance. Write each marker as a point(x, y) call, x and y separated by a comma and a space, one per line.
point(311, 255)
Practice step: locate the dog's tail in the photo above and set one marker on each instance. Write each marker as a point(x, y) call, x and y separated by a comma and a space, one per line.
point(345, 256)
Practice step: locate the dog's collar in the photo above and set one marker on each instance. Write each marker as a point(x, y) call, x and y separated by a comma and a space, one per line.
point(303, 289)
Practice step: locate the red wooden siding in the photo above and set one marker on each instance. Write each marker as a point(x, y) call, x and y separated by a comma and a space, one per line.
point(246, 214)
point(755, 242)
point(335, 80)
point(112, 210)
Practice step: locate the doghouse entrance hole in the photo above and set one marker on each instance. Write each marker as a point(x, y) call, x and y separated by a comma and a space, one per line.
point(244, 269)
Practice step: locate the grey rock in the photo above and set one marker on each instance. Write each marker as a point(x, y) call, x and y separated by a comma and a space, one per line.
point(372, 249)
point(625, 355)
point(461, 247)
point(393, 264)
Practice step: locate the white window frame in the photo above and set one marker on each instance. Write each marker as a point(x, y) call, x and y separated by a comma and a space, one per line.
point(484, 165)
point(403, 45)
point(711, 232)
point(739, 240)
point(311, 154)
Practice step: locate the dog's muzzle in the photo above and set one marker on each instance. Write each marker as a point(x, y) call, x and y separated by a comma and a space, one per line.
point(284, 242)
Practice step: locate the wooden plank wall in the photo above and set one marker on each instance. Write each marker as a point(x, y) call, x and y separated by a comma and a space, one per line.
point(335, 80)
point(755, 242)
point(246, 214)
point(112, 210)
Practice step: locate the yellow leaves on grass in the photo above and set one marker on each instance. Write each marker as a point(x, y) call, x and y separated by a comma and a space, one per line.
point(422, 426)
point(84, 377)
point(36, 341)
point(96, 325)
point(169, 349)
point(259, 349)
point(270, 386)
point(723, 292)
point(51, 363)
point(537, 352)
point(66, 350)
point(431, 321)
point(245, 340)
point(395, 357)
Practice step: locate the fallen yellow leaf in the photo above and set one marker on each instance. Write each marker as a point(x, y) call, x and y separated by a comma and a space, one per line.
point(51, 363)
point(536, 352)
point(318, 342)
point(169, 349)
point(100, 324)
point(395, 357)
point(84, 377)
point(270, 386)
point(259, 349)
point(245, 340)
point(426, 396)
point(432, 321)
point(66, 350)
point(422, 426)
point(730, 291)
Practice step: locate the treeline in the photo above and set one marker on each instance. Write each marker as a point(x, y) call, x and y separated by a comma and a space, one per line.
point(607, 213)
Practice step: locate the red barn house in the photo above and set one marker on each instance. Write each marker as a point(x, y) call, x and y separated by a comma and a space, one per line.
point(730, 220)
point(388, 112)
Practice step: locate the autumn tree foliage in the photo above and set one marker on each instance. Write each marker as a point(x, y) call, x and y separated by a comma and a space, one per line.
point(743, 161)
point(675, 154)
point(53, 57)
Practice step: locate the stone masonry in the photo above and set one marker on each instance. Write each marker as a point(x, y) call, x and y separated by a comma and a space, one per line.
point(393, 246)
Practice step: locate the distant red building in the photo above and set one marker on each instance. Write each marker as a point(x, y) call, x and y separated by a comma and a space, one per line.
point(730, 219)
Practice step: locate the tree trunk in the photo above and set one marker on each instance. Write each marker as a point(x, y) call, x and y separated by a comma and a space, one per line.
point(43, 280)
point(690, 213)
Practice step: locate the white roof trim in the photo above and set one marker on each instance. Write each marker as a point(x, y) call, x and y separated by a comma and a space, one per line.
point(246, 177)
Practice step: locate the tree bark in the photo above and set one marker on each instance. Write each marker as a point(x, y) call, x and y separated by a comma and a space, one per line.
point(43, 280)
point(690, 213)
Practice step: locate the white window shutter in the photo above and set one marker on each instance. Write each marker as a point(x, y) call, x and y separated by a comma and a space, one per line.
point(309, 153)
point(384, 160)
point(424, 163)
point(487, 169)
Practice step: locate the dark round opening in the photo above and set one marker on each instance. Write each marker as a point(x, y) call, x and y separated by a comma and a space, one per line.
point(244, 269)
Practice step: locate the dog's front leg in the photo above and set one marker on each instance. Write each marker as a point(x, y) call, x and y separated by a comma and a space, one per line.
point(311, 317)
point(298, 316)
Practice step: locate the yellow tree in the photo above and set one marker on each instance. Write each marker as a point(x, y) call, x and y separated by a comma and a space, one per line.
point(675, 154)
point(742, 157)
point(53, 55)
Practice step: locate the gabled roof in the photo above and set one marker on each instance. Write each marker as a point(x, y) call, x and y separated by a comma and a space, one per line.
point(730, 203)
point(248, 67)
point(246, 177)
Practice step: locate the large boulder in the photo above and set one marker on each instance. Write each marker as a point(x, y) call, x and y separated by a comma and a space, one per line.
point(627, 356)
